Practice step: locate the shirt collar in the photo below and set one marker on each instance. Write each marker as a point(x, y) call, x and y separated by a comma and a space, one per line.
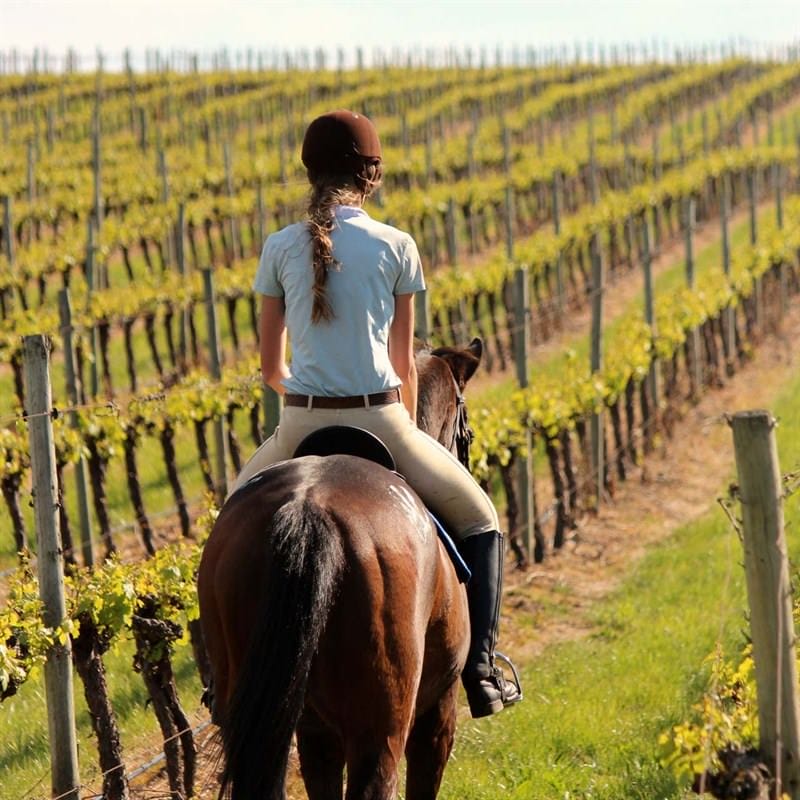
point(348, 212)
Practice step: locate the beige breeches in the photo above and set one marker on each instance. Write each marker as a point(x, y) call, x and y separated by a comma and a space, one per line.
point(446, 487)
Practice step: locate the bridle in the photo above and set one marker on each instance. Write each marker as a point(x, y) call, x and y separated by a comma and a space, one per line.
point(462, 433)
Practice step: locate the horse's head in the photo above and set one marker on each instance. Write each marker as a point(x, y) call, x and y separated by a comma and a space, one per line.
point(441, 413)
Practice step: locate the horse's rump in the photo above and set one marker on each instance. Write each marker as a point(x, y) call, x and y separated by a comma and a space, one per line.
point(352, 600)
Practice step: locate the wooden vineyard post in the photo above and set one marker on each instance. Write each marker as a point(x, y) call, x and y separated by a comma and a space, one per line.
point(657, 173)
point(50, 564)
point(229, 188)
point(99, 211)
point(92, 283)
point(729, 318)
point(688, 213)
point(752, 188)
point(73, 395)
point(754, 124)
point(769, 596)
point(521, 341)
point(509, 214)
point(184, 334)
point(654, 373)
point(752, 201)
point(215, 368)
point(525, 474)
point(777, 181)
point(142, 129)
point(450, 225)
point(8, 251)
point(596, 342)
point(694, 334)
point(560, 258)
point(596, 364)
point(163, 176)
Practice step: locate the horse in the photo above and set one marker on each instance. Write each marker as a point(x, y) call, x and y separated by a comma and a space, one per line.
point(330, 609)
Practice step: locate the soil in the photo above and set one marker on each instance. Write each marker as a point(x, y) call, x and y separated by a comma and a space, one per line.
point(681, 480)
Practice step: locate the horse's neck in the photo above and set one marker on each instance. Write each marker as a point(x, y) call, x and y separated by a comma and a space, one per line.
point(436, 400)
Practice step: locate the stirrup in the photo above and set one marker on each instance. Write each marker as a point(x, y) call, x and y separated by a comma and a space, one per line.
point(507, 661)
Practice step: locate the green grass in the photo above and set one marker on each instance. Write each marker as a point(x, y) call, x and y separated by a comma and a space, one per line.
point(594, 708)
point(24, 754)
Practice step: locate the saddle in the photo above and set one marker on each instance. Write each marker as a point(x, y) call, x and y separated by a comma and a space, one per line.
point(352, 441)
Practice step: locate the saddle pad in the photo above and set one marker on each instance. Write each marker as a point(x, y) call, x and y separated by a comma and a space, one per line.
point(462, 570)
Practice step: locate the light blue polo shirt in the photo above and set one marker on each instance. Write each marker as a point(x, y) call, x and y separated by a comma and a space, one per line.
point(348, 355)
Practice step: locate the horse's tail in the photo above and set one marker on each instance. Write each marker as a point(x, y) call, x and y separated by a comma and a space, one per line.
point(305, 561)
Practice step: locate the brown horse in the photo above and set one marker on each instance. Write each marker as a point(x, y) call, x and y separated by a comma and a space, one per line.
point(330, 608)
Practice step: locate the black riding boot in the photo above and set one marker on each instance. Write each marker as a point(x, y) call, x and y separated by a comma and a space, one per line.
point(487, 690)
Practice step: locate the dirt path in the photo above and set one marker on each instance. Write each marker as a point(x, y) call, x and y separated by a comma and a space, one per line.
point(681, 482)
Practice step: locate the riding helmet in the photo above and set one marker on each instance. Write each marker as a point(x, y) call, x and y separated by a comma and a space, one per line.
point(340, 142)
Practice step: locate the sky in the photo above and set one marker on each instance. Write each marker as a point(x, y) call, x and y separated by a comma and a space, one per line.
point(206, 25)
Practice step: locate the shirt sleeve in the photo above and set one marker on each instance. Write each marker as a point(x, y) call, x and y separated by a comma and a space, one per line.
point(410, 279)
point(268, 280)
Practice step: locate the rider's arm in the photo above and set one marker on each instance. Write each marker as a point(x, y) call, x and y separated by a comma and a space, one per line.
point(401, 350)
point(273, 342)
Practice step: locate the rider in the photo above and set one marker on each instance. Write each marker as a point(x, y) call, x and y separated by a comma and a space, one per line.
point(343, 287)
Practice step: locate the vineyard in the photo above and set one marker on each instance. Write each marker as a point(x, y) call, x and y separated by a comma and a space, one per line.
point(133, 209)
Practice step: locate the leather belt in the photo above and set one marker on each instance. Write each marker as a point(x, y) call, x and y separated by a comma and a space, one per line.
point(358, 401)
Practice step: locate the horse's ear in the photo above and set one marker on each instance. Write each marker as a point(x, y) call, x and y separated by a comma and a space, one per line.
point(462, 362)
point(476, 348)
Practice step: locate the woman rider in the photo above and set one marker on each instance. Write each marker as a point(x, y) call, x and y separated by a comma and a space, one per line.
point(342, 285)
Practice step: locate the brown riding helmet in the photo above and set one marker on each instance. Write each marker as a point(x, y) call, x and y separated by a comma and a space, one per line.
point(341, 142)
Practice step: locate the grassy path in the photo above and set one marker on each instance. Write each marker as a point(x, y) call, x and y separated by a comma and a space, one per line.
point(594, 708)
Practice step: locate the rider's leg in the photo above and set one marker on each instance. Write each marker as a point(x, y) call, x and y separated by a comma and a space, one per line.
point(435, 474)
point(487, 690)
